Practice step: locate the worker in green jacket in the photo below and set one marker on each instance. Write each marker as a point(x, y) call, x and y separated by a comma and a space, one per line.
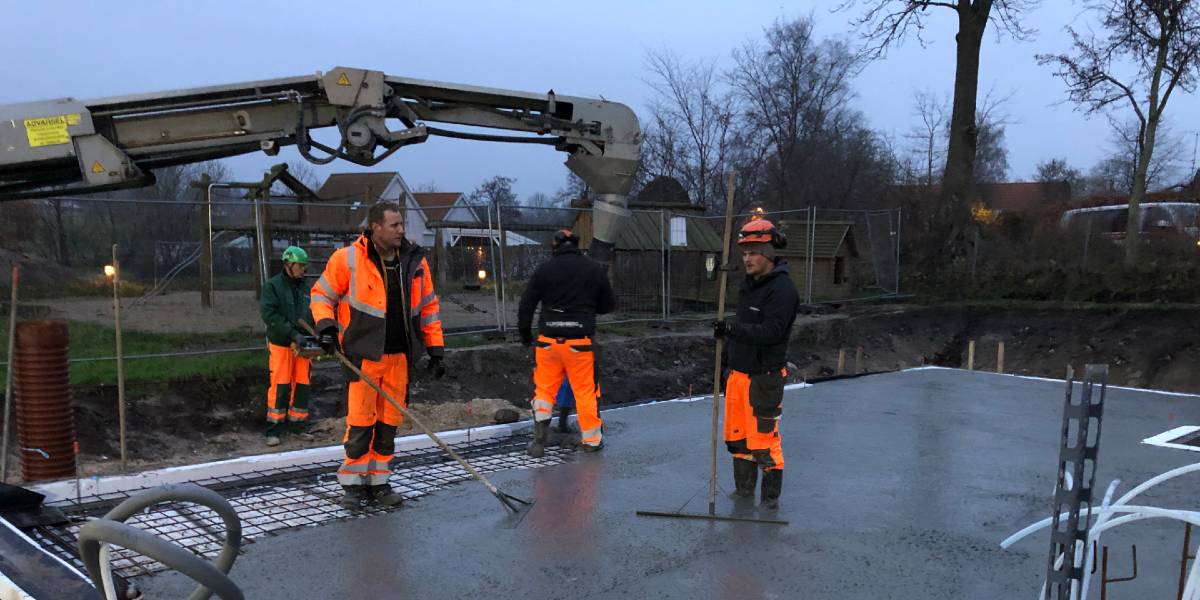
point(285, 300)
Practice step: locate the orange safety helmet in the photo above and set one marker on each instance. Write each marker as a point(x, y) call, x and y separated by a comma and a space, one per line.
point(762, 231)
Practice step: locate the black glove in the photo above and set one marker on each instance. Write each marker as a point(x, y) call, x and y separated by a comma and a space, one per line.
point(328, 340)
point(436, 367)
point(526, 338)
point(722, 329)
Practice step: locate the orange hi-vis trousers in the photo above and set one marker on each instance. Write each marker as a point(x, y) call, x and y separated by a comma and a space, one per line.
point(753, 406)
point(371, 421)
point(573, 359)
point(288, 392)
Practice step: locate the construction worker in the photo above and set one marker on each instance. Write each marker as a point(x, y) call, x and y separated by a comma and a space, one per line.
point(285, 302)
point(375, 303)
point(572, 289)
point(758, 339)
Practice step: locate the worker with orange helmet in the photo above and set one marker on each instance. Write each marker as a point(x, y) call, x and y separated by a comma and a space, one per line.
point(758, 339)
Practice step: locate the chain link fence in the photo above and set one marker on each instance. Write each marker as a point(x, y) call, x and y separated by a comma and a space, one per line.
point(483, 256)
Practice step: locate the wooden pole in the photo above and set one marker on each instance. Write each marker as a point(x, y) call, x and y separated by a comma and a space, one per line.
point(120, 357)
point(723, 281)
point(858, 359)
point(841, 366)
point(8, 376)
point(971, 355)
point(1000, 357)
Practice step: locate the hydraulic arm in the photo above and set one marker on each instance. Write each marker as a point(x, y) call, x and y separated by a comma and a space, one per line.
point(67, 145)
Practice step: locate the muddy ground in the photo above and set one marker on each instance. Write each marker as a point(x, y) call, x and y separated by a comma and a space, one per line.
point(207, 419)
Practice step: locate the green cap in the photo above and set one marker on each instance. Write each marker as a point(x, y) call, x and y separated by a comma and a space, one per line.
point(295, 254)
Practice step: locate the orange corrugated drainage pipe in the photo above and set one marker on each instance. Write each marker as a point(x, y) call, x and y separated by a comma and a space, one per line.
point(45, 423)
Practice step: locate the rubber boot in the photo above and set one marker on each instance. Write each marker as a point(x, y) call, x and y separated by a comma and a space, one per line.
point(537, 448)
point(772, 484)
point(383, 496)
point(354, 496)
point(745, 477)
point(564, 413)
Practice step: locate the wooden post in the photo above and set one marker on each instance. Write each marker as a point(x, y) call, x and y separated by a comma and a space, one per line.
point(841, 366)
point(971, 355)
point(206, 250)
point(858, 359)
point(120, 356)
point(1000, 357)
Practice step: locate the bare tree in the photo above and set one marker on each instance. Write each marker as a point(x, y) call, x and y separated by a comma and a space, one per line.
point(1149, 49)
point(1058, 170)
point(889, 22)
point(793, 89)
point(691, 127)
point(929, 136)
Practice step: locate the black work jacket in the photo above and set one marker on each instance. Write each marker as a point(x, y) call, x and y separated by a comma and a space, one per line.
point(572, 290)
point(766, 311)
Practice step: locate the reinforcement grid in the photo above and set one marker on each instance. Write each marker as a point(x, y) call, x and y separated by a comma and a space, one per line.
point(274, 500)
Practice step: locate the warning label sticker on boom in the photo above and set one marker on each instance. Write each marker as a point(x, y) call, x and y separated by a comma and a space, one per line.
point(49, 131)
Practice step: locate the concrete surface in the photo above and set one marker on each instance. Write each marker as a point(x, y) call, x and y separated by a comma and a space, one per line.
point(897, 486)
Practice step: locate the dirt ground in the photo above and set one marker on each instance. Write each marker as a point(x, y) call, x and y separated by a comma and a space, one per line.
point(181, 312)
point(207, 419)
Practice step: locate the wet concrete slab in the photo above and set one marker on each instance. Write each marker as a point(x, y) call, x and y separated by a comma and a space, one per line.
point(897, 486)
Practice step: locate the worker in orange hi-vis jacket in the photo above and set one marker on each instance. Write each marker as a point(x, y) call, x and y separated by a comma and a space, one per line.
point(571, 289)
point(376, 304)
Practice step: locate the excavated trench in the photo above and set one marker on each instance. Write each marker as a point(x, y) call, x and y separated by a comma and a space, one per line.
point(198, 419)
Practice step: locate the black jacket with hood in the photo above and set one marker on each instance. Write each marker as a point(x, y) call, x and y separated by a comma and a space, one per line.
point(572, 290)
point(766, 310)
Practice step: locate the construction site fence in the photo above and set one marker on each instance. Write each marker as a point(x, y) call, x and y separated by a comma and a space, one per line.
point(482, 256)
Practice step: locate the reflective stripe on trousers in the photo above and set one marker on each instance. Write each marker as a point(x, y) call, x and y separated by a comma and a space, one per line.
point(748, 435)
point(572, 359)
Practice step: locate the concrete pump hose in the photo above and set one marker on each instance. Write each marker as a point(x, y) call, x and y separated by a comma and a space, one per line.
point(111, 529)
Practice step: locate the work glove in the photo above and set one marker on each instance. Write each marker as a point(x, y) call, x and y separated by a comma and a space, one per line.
point(527, 338)
point(436, 367)
point(328, 340)
point(722, 329)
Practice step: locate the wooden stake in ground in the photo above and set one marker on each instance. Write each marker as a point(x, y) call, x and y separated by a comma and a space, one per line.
point(116, 277)
point(1000, 357)
point(841, 365)
point(8, 376)
point(971, 355)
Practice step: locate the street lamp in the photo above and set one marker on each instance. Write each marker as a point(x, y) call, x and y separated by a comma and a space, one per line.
point(113, 272)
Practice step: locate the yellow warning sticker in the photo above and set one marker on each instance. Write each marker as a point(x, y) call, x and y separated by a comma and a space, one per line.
point(47, 131)
point(73, 119)
point(97, 167)
point(343, 80)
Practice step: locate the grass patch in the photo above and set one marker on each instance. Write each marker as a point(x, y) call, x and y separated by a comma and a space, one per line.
point(89, 340)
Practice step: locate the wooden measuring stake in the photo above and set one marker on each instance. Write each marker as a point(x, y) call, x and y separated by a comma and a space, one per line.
point(841, 366)
point(1000, 357)
point(723, 280)
point(971, 355)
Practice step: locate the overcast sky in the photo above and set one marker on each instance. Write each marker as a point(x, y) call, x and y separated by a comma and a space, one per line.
point(95, 49)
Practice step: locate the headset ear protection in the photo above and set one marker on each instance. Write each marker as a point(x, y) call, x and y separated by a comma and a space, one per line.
point(761, 231)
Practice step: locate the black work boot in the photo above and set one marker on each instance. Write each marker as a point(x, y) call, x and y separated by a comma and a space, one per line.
point(745, 477)
point(564, 414)
point(354, 497)
point(383, 496)
point(537, 448)
point(772, 484)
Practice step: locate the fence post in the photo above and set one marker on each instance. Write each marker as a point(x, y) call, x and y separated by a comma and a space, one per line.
point(503, 271)
point(899, 216)
point(663, 264)
point(495, 274)
point(206, 253)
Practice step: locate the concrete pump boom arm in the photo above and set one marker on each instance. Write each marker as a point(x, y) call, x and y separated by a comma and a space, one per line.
point(71, 146)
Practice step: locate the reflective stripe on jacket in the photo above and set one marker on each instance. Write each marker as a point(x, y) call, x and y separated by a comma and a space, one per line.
point(351, 294)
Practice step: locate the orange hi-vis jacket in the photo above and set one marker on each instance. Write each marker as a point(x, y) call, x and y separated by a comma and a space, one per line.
point(352, 294)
